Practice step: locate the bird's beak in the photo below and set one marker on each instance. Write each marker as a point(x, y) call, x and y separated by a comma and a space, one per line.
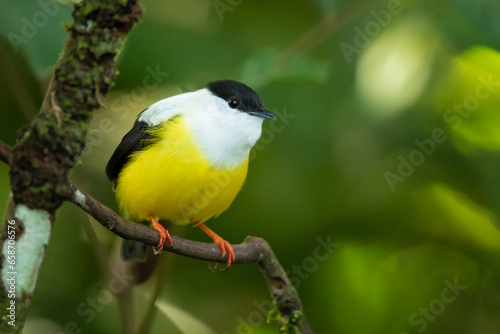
point(264, 113)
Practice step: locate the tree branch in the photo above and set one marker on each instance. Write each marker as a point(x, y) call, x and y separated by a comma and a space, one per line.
point(133, 231)
point(251, 250)
point(51, 145)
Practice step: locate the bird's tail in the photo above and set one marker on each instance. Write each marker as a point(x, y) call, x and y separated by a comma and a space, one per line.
point(133, 250)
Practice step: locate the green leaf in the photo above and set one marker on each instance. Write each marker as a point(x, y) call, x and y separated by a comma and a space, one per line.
point(35, 28)
point(186, 322)
point(483, 13)
point(265, 66)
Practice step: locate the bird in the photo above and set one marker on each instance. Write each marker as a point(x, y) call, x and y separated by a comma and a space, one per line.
point(185, 160)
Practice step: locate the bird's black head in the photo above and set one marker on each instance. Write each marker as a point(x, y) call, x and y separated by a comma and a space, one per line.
point(240, 96)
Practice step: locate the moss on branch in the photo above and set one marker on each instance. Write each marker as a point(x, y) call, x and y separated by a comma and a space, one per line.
point(49, 147)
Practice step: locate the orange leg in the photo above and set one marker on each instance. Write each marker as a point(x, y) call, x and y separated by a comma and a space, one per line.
point(223, 244)
point(163, 234)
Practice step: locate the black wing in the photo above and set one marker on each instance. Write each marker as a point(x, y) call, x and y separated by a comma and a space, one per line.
point(135, 140)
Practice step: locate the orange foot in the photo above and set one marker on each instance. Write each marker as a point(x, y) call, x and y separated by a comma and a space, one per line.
point(223, 244)
point(163, 234)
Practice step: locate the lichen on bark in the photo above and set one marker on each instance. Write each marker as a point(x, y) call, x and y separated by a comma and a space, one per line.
point(50, 146)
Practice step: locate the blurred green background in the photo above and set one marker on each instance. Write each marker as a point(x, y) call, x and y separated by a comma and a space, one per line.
point(377, 187)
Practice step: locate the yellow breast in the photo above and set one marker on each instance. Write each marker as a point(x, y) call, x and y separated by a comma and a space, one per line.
point(171, 179)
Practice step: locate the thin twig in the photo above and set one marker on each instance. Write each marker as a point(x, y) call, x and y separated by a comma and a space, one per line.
point(5, 152)
point(132, 231)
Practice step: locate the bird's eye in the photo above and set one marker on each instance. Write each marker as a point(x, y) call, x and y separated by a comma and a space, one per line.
point(233, 103)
